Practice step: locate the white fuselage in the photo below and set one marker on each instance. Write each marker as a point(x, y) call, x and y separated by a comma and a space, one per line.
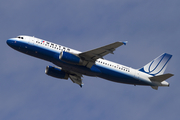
point(102, 68)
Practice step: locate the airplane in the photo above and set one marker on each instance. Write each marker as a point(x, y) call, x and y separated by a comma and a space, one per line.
point(74, 64)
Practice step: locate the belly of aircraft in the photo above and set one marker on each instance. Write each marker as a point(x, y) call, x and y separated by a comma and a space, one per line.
point(120, 77)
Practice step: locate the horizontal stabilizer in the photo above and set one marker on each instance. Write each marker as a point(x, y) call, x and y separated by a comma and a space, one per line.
point(160, 78)
point(155, 87)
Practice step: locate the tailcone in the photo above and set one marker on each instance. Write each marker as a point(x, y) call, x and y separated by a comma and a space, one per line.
point(164, 83)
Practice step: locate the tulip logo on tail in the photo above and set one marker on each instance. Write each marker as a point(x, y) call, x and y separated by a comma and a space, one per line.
point(157, 66)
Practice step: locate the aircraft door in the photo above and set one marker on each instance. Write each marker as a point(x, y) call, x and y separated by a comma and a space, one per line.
point(136, 75)
point(31, 41)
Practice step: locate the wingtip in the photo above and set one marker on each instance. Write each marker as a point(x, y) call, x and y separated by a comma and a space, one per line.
point(81, 85)
point(125, 42)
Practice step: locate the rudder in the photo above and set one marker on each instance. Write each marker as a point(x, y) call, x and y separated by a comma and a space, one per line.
point(158, 65)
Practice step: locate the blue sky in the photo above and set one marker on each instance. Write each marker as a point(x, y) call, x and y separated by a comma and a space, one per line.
point(151, 28)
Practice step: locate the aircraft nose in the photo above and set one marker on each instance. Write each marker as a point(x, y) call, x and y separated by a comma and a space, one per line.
point(10, 42)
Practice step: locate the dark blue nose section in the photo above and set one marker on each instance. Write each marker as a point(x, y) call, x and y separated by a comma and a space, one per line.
point(10, 42)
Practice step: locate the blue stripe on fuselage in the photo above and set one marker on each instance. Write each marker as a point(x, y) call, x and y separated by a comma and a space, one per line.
point(51, 55)
point(98, 70)
point(119, 76)
point(33, 50)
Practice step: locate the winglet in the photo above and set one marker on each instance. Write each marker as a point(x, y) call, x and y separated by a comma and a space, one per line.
point(125, 42)
point(81, 85)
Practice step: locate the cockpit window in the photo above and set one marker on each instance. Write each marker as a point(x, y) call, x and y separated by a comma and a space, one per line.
point(20, 37)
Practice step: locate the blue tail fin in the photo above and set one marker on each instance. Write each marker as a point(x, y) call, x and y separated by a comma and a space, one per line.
point(157, 66)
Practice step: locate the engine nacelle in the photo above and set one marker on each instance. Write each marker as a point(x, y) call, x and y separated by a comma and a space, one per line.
point(70, 58)
point(56, 72)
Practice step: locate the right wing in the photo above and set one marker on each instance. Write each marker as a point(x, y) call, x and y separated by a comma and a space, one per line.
point(92, 55)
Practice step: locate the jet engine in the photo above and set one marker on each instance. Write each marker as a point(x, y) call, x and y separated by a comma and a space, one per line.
point(56, 72)
point(70, 58)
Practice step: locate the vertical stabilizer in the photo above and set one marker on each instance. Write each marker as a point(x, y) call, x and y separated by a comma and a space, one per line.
point(157, 66)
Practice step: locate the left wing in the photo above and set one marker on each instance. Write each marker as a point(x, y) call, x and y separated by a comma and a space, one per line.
point(92, 55)
point(75, 77)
